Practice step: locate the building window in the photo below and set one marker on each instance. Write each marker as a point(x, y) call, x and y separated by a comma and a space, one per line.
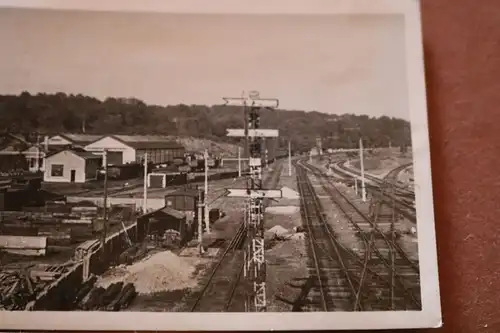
point(57, 170)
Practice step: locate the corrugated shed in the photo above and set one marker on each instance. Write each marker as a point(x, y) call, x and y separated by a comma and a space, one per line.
point(149, 141)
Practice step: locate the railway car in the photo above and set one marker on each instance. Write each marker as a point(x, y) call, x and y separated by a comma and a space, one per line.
point(185, 200)
point(176, 178)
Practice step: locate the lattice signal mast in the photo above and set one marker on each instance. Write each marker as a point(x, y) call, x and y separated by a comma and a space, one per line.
point(255, 268)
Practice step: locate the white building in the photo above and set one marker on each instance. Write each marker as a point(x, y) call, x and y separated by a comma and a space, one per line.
point(69, 166)
point(123, 149)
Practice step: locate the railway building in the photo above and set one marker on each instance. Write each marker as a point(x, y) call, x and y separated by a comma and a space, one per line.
point(71, 166)
point(65, 140)
point(11, 157)
point(186, 200)
point(167, 219)
point(123, 149)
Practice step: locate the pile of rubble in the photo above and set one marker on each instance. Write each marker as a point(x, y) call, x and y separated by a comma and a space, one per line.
point(115, 297)
point(163, 271)
point(279, 233)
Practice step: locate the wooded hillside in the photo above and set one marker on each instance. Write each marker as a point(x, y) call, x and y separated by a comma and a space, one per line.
point(52, 113)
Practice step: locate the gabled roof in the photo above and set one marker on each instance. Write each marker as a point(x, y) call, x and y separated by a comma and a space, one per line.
point(13, 143)
point(19, 138)
point(173, 212)
point(80, 138)
point(83, 154)
point(168, 211)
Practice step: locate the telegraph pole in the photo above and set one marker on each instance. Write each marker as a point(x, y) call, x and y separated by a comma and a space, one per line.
point(362, 165)
point(254, 257)
point(289, 158)
point(37, 162)
point(200, 221)
point(205, 196)
point(239, 161)
point(145, 197)
point(105, 204)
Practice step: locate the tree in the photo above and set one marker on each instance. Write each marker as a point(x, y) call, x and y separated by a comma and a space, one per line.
point(46, 113)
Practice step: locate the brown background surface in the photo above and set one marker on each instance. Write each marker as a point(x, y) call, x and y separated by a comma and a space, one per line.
point(462, 55)
point(462, 60)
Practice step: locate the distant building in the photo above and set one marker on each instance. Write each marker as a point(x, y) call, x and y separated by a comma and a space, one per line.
point(124, 149)
point(35, 156)
point(65, 140)
point(11, 157)
point(314, 151)
point(70, 166)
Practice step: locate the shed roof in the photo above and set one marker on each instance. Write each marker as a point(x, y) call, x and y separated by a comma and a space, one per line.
point(168, 211)
point(148, 141)
point(173, 212)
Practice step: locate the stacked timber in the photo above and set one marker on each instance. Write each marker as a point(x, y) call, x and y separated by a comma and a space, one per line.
point(85, 212)
point(17, 289)
point(115, 297)
point(57, 207)
point(24, 245)
point(18, 228)
point(61, 229)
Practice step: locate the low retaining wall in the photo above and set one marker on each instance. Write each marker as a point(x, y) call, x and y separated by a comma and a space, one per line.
point(153, 203)
point(217, 176)
point(59, 294)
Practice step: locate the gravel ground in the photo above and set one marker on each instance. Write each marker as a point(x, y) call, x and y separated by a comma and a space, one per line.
point(407, 242)
point(338, 221)
point(286, 260)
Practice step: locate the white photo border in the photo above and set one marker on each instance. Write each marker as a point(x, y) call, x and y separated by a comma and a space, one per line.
point(429, 316)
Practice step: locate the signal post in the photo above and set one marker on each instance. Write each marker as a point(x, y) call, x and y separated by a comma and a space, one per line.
point(255, 270)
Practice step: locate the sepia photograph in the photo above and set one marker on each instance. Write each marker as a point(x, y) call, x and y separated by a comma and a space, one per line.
point(219, 158)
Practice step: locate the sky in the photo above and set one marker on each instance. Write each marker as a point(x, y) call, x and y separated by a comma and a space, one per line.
point(330, 63)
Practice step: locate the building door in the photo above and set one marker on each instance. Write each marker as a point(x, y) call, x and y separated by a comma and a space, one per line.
point(73, 176)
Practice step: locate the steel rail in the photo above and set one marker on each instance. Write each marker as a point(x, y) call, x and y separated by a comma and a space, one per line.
point(352, 206)
point(235, 241)
point(306, 216)
point(402, 206)
point(304, 181)
point(232, 245)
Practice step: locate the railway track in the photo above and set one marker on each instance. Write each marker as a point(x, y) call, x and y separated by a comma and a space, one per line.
point(335, 287)
point(384, 277)
point(402, 197)
point(218, 291)
point(223, 289)
point(401, 190)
